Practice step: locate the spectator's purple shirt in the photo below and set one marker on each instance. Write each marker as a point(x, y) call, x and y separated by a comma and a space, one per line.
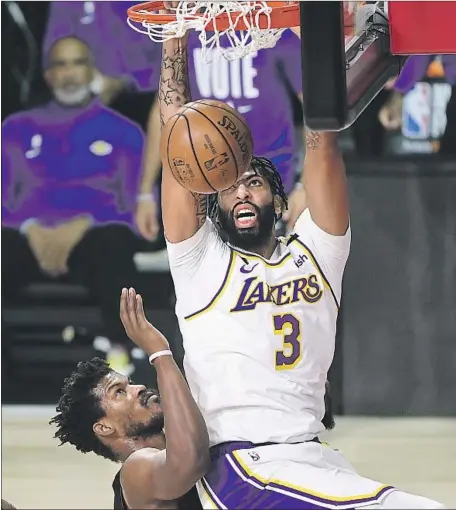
point(117, 48)
point(255, 86)
point(416, 67)
point(59, 163)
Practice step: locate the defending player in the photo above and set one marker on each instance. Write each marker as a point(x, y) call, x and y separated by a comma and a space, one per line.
point(258, 318)
point(101, 411)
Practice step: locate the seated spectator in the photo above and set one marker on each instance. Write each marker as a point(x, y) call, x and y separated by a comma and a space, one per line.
point(69, 180)
point(124, 78)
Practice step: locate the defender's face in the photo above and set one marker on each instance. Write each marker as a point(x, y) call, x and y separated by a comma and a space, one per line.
point(131, 410)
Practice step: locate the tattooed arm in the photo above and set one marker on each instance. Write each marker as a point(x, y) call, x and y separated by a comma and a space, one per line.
point(325, 182)
point(324, 225)
point(184, 213)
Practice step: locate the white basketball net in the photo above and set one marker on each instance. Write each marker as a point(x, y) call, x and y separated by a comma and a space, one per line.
point(197, 15)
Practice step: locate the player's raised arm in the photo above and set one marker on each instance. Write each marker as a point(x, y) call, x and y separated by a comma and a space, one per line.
point(150, 477)
point(325, 182)
point(324, 179)
point(183, 212)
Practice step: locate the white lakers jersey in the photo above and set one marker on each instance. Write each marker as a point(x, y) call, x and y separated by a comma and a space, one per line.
point(259, 334)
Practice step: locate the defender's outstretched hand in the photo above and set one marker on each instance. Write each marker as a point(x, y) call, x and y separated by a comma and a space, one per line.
point(137, 327)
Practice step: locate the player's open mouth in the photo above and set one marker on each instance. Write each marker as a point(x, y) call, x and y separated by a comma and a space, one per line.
point(245, 216)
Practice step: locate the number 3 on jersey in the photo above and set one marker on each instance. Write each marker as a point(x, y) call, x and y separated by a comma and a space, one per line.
point(289, 327)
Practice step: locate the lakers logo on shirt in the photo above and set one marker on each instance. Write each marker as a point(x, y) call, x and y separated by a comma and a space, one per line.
point(100, 148)
point(255, 292)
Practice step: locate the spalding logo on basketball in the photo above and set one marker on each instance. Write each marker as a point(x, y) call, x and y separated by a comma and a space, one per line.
point(239, 136)
point(207, 145)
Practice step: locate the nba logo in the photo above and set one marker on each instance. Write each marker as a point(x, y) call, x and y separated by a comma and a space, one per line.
point(178, 162)
point(216, 162)
point(416, 112)
point(254, 456)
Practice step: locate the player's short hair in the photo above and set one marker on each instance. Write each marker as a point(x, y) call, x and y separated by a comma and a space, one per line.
point(266, 168)
point(80, 407)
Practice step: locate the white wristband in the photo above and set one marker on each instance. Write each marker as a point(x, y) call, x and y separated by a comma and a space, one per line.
point(159, 354)
point(145, 197)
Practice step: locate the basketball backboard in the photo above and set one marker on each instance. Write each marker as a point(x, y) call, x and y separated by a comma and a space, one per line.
point(343, 68)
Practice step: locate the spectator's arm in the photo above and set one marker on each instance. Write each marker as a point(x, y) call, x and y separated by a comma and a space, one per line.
point(152, 160)
point(146, 211)
point(6, 181)
point(414, 70)
point(130, 162)
point(390, 115)
point(17, 207)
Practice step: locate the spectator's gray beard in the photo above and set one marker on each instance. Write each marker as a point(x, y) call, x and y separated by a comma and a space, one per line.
point(73, 97)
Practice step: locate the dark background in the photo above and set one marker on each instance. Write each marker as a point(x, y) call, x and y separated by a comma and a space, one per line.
point(399, 301)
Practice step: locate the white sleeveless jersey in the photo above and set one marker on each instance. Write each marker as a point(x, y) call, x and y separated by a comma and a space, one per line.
point(259, 334)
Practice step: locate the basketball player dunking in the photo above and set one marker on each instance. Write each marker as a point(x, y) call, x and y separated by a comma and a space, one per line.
point(258, 319)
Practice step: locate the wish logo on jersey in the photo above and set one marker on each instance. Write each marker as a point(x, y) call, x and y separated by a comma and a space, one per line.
point(255, 292)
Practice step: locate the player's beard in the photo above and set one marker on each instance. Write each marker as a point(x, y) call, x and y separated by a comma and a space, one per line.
point(253, 238)
point(148, 428)
point(145, 430)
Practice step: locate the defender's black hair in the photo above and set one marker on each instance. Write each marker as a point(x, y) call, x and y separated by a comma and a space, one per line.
point(79, 408)
point(265, 168)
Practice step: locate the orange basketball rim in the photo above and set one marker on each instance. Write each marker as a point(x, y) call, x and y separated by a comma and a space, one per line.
point(282, 15)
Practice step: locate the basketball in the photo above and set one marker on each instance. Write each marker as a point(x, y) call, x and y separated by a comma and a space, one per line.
point(207, 145)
